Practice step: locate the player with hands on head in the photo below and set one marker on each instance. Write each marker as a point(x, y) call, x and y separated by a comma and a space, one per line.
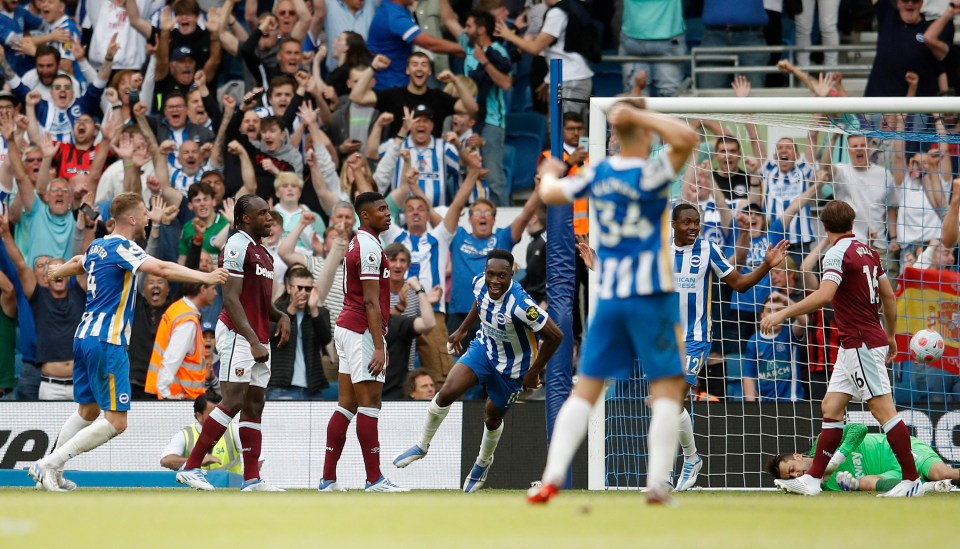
point(630, 192)
point(504, 358)
point(855, 282)
point(242, 339)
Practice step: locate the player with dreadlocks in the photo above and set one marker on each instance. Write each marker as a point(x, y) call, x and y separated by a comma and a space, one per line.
point(243, 334)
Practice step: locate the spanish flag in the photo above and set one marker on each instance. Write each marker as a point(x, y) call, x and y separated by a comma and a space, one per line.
point(930, 298)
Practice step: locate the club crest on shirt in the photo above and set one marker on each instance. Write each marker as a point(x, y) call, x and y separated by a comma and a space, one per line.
point(532, 313)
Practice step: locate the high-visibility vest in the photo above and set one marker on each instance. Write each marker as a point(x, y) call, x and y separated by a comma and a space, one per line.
point(191, 377)
point(581, 206)
point(225, 450)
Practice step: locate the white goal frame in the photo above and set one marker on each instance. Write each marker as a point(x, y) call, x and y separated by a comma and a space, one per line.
point(596, 434)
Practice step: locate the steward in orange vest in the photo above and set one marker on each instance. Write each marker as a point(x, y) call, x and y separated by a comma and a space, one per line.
point(177, 362)
point(581, 206)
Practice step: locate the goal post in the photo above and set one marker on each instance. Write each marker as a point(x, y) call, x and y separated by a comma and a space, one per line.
point(735, 433)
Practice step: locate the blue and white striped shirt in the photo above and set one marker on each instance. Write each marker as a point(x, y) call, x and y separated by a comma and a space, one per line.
point(631, 196)
point(508, 326)
point(429, 254)
point(694, 268)
point(780, 189)
point(111, 263)
point(435, 162)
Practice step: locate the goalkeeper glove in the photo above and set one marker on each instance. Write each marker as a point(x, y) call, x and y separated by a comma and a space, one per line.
point(847, 482)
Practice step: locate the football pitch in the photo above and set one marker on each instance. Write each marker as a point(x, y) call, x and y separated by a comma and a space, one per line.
point(166, 518)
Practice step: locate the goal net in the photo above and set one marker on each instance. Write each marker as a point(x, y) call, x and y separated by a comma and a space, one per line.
point(764, 169)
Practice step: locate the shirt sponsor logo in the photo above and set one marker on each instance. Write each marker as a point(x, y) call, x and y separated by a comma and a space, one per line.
point(264, 272)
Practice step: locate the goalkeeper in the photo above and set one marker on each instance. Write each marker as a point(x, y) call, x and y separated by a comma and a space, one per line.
point(866, 462)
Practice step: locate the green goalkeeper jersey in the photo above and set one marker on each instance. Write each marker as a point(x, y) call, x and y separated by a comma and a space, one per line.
point(867, 454)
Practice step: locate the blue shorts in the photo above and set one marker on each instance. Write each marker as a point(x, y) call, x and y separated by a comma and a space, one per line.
point(625, 330)
point(696, 359)
point(101, 374)
point(502, 389)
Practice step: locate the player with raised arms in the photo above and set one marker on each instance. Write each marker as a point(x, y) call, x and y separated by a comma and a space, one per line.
point(873, 466)
point(101, 368)
point(637, 313)
point(243, 343)
point(854, 280)
point(504, 358)
point(361, 346)
point(696, 261)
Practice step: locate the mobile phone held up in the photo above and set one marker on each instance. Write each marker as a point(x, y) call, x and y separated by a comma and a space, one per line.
point(91, 213)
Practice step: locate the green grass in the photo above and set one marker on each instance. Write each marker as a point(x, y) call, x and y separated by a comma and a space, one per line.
point(491, 519)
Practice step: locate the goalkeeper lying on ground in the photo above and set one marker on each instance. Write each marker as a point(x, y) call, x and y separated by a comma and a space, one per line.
point(866, 462)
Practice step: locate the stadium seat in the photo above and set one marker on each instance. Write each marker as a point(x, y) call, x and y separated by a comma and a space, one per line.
point(527, 148)
point(527, 122)
point(904, 390)
point(331, 393)
point(734, 369)
point(607, 79)
point(509, 157)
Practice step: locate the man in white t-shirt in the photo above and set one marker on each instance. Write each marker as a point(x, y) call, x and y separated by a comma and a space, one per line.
point(551, 41)
point(871, 190)
point(109, 17)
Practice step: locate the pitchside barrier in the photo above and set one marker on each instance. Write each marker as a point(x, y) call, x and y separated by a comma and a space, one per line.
point(294, 436)
point(741, 439)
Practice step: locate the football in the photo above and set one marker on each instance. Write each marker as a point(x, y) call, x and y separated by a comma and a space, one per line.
point(926, 346)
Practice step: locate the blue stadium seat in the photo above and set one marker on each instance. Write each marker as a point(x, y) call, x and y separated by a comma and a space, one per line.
point(607, 80)
point(734, 374)
point(528, 122)
point(527, 147)
point(509, 157)
point(331, 393)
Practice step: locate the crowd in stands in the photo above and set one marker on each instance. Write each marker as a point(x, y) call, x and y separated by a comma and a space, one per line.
point(307, 103)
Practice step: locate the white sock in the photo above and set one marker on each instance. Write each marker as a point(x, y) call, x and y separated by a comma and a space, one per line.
point(686, 436)
point(94, 435)
point(71, 427)
point(662, 440)
point(568, 432)
point(435, 416)
point(489, 444)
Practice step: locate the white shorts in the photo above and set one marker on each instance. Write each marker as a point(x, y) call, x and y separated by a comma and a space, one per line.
point(355, 351)
point(861, 373)
point(236, 360)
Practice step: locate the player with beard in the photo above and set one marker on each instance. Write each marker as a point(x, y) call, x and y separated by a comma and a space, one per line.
point(416, 92)
point(361, 346)
point(243, 343)
point(101, 364)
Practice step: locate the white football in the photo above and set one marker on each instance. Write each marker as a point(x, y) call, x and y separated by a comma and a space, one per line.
point(926, 346)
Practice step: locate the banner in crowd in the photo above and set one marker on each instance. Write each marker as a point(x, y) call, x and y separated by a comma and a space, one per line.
point(294, 441)
point(928, 299)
